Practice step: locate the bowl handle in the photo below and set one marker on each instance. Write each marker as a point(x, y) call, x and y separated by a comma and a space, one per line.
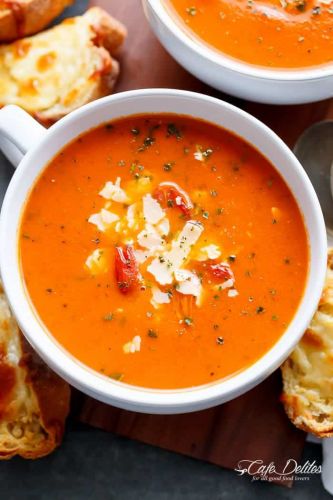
point(19, 132)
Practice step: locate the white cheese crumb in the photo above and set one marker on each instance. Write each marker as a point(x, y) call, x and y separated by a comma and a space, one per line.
point(163, 227)
point(142, 255)
point(152, 210)
point(133, 345)
point(161, 272)
point(209, 252)
point(97, 261)
point(131, 215)
point(149, 238)
point(226, 284)
point(159, 297)
point(163, 267)
point(103, 220)
point(232, 293)
point(188, 283)
point(108, 217)
point(198, 156)
point(113, 191)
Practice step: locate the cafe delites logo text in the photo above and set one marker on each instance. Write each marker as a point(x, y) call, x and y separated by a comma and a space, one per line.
point(258, 470)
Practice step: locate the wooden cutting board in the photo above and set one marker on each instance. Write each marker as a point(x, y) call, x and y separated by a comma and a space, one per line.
point(253, 426)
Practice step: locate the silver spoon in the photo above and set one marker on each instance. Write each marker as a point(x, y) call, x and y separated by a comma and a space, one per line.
point(314, 149)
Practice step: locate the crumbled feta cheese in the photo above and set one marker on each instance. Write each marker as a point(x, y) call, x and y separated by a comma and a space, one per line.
point(163, 227)
point(188, 283)
point(97, 220)
point(149, 238)
point(162, 273)
point(131, 215)
point(97, 261)
point(152, 210)
point(198, 156)
point(182, 275)
point(159, 297)
point(142, 255)
point(108, 217)
point(103, 219)
point(113, 191)
point(232, 293)
point(226, 284)
point(209, 252)
point(133, 345)
point(163, 266)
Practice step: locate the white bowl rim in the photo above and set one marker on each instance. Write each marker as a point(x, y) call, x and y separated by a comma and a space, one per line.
point(233, 64)
point(135, 397)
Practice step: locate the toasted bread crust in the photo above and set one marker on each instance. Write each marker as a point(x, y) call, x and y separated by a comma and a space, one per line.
point(110, 33)
point(53, 395)
point(34, 71)
point(19, 18)
point(34, 402)
point(308, 372)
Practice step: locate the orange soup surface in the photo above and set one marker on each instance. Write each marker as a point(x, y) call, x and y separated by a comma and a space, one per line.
point(271, 33)
point(163, 251)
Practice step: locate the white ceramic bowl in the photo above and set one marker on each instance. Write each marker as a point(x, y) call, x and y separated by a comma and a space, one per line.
point(235, 77)
point(41, 145)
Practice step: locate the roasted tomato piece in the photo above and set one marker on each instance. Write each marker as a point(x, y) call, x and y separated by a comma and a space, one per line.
point(221, 271)
point(169, 194)
point(126, 268)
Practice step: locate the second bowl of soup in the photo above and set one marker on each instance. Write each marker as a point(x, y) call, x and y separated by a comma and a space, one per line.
point(271, 51)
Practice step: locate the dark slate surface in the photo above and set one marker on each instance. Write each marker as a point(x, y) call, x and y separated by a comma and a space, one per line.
point(93, 464)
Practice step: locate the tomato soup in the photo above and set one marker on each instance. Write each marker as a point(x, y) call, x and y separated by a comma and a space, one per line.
point(271, 33)
point(163, 251)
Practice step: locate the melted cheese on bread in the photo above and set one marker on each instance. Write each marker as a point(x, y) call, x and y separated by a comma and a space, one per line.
point(58, 70)
point(308, 372)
